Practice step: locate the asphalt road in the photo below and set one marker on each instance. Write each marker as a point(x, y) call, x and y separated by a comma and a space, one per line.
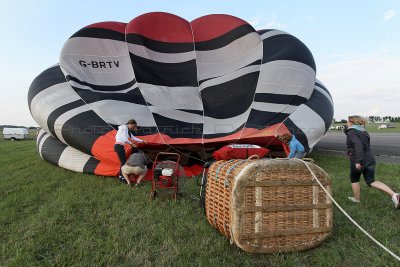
point(382, 144)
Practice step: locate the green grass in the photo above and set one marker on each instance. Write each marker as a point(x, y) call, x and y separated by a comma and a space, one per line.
point(373, 127)
point(51, 216)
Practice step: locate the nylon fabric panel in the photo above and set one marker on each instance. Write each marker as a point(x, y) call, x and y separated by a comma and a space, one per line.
point(231, 84)
point(321, 105)
point(51, 150)
point(159, 74)
point(83, 129)
point(44, 80)
point(310, 123)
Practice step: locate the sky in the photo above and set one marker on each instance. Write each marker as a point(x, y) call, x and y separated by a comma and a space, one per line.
point(355, 44)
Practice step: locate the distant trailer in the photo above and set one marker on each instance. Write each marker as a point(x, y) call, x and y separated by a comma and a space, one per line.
point(15, 134)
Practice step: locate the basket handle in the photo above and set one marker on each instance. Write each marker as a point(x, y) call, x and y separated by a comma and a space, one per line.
point(252, 157)
point(308, 160)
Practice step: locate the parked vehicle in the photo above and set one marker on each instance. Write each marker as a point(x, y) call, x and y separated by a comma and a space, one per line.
point(15, 134)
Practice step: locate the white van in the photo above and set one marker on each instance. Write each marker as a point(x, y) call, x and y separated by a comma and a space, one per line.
point(15, 134)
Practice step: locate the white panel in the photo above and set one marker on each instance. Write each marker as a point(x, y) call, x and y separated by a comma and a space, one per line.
point(310, 123)
point(177, 115)
point(41, 144)
point(237, 49)
point(287, 78)
point(208, 70)
point(41, 132)
point(119, 112)
point(144, 52)
point(85, 87)
point(172, 97)
point(322, 91)
point(271, 107)
point(79, 53)
point(59, 123)
point(230, 76)
point(48, 100)
point(272, 33)
point(73, 159)
point(94, 46)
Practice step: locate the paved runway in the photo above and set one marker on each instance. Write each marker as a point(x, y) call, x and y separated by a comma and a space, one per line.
point(382, 144)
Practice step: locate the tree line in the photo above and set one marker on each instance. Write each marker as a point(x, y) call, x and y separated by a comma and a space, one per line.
point(373, 119)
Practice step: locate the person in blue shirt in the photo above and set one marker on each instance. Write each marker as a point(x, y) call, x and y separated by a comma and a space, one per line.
point(296, 148)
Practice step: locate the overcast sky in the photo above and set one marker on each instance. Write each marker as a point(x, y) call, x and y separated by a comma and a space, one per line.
point(356, 44)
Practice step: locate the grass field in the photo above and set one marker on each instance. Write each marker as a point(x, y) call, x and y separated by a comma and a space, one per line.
point(51, 216)
point(373, 127)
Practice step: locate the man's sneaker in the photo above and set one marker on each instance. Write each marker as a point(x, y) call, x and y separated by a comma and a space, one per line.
point(122, 179)
point(352, 199)
point(396, 200)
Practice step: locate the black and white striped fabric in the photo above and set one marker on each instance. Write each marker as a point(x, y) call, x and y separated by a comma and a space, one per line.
point(188, 84)
point(56, 152)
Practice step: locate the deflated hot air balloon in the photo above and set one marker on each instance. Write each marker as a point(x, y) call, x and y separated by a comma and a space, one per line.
point(191, 86)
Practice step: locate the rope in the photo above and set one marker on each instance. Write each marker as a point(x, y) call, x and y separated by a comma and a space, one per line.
point(347, 215)
point(229, 171)
point(221, 166)
point(198, 86)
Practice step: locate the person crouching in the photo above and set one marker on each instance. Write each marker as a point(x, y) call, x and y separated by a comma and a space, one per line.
point(136, 165)
point(296, 148)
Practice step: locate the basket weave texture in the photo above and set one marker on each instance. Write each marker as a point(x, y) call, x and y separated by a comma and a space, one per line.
point(269, 205)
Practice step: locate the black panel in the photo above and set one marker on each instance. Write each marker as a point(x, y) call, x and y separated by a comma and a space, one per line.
point(100, 33)
point(165, 74)
point(90, 165)
point(261, 32)
point(133, 96)
point(144, 130)
point(44, 80)
point(217, 135)
point(322, 106)
point(287, 47)
point(82, 130)
point(320, 85)
point(261, 119)
point(107, 88)
point(158, 46)
point(52, 150)
point(40, 137)
point(178, 129)
point(294, 100)
point(51, 119)
point(225, 39)
point(198, 112)
point(255, 63)
point(231, 98)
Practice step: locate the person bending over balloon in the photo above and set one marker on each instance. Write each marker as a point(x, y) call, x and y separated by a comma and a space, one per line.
point(136, 164)
point(123, 136)
point(296, 148)
point(362, 161)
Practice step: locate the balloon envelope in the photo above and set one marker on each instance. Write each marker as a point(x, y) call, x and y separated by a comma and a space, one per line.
point(191, 86)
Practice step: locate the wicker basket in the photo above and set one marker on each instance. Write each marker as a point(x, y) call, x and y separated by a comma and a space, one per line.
point(269, 205)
